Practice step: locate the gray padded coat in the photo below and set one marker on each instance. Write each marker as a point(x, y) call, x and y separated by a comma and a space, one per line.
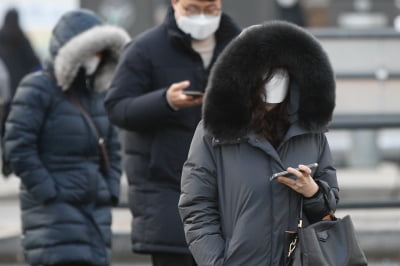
point(232, 213)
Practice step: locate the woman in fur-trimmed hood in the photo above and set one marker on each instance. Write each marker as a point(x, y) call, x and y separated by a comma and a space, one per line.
point(269, 99)
point(66, 195)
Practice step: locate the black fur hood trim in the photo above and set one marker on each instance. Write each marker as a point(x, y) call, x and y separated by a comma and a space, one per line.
point(238, 73)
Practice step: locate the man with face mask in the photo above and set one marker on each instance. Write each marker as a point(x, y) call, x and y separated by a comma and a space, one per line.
point(156, 98)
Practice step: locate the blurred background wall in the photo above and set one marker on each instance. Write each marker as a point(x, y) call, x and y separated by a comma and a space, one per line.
point(310, 13)
point(39, 16)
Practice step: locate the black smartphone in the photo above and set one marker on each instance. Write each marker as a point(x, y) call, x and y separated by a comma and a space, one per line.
point(194, 94)
point(286, 173)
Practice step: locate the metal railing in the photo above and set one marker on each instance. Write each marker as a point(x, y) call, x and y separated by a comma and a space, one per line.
point(357, 121)
point(341, 205)
point(369, 204)
point(365, 121)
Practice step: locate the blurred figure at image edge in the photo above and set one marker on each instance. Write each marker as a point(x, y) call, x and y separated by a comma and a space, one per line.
point(17, 59)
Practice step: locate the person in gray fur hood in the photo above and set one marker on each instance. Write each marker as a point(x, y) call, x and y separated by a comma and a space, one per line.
point(66, 194)
point(267, 105)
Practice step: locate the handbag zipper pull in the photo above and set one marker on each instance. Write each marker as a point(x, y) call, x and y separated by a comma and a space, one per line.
point(300, 224)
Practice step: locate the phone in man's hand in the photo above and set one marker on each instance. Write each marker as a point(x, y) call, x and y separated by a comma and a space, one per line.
point(286, 173)
point(195, 94)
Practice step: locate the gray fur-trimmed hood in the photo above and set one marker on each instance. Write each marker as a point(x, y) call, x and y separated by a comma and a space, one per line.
point(78, 35)
point(71, 56)
point(238, 74)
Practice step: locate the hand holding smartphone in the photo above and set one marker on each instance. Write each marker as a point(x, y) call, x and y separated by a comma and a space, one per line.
point(195, 94)
point(286, 173)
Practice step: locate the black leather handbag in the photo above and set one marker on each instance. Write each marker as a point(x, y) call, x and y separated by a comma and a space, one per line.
point(324, 243)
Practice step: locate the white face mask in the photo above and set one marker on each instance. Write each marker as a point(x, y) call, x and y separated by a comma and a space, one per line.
point(91, 64)
point(277, 87)
point(287, 3)
point(200, 26)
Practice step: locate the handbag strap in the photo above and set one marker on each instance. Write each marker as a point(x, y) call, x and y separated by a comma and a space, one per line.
point(293, 244)
point(329, 216)
point(100, 139)
point(300, 222)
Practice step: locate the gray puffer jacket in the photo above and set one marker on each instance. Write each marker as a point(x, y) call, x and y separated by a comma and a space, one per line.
point(232, 213)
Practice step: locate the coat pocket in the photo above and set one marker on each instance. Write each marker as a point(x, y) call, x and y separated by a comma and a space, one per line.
point(77, 186)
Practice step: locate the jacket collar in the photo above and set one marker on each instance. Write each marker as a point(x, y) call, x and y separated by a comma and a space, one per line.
point(256, 141)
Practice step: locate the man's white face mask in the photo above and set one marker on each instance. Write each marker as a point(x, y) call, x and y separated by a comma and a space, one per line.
point(199, 26)
point(277, 87)
point(287, 3)
point(91, 64)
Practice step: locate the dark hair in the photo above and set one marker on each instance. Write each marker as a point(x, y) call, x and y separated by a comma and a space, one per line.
point(11, 23)
point(11, 18)
point(272, 124)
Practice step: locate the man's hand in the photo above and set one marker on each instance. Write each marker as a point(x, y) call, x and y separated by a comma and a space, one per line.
point(178, 99)
point(303, 184)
